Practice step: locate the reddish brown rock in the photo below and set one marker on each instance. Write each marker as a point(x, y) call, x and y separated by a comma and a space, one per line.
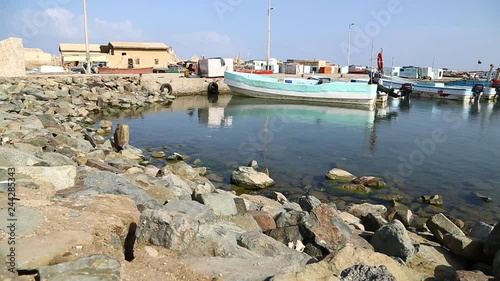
point(463, 275)
point(102, 166)
point(264, 220)
point(327, 228)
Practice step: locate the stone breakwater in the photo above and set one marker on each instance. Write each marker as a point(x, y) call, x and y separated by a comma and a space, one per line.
point(82, 199)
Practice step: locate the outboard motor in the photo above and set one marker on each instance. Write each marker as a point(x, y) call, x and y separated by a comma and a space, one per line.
point(406, 90)
point(477, 91)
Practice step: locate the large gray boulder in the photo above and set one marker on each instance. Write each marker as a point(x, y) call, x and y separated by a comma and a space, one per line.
point(96, 267)
point(218, 239)
point(285, 235)
point(110, 183)
point(480, 231)
point(195, 210)
point(440, 225)
point(264, 245)
point(393, 240)
point(222, 204)
point(248, 177)
point(172, 230)
point(292, 218)
point(493, 242)
point(496, 266)
point(61, 177)
point(463, 246)
point(10, 157)
point(309, 202)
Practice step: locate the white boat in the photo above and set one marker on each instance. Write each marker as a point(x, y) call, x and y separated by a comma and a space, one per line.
point(430, 89)
point(311, 90)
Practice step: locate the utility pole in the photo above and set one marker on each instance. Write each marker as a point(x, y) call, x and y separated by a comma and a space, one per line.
point(268, 34)
point(87, 54)
point(349, 45)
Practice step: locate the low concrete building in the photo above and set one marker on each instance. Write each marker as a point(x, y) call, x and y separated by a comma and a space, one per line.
point(315, 65)
point(120, 55)
point(12, 57)
point(74, 54)
point(261, 64)
point(139, 55)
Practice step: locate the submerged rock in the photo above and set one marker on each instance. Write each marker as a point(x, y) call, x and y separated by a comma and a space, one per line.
point(370, 181)
point(432, 200)
point(356, 188)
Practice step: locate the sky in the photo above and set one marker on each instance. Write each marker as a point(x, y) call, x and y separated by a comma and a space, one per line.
point(444, 33)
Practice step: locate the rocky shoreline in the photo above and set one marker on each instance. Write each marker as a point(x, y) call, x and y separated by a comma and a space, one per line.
point(87, 206)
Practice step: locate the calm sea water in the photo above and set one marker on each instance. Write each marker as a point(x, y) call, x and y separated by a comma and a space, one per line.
point(427, 147)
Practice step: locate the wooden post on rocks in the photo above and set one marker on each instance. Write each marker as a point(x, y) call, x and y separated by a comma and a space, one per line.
point(121, 136)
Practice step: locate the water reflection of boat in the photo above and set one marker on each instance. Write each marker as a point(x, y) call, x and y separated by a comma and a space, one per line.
point(200, 101)
point(299, 112)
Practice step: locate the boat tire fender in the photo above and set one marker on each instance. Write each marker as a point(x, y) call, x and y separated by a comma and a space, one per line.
point(167, 87)
point(213, 88)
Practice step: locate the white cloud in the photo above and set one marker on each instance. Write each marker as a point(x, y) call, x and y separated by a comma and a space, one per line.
point(117, 31)
point(62, 23)
point(48, 27)
point(203, 43)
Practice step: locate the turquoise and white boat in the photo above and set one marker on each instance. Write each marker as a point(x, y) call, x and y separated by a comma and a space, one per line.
point(310, 90)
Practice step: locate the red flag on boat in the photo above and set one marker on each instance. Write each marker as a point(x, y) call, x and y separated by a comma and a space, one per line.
point(380, 61)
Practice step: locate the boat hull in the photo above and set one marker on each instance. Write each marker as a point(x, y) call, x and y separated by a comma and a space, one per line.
point(429, 90)
point(489, 93)
point(341, 93)
point(106, 70)
point(261, 72)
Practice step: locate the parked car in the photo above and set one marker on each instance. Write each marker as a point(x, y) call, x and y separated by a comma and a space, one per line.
point(33, 71)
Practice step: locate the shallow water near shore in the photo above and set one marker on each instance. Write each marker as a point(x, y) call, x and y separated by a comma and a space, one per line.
point(427, 147)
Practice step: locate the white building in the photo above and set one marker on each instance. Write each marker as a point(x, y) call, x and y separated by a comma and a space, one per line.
point(394, 71)
point(421, 72)
point(261, 64)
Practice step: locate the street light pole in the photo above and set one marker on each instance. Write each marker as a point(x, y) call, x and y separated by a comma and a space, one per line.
point(268, 34)
point(87, 54)
point(349, 45)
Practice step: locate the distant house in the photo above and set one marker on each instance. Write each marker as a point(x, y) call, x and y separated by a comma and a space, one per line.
point(261, 64)
point(315, 65)
point(138, 55)
point(74, 54)
point(120, 54)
